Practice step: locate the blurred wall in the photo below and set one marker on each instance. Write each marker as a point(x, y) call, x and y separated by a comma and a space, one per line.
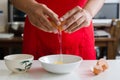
point(4, 16)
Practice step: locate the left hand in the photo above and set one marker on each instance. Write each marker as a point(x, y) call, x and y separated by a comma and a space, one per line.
point(76, 19)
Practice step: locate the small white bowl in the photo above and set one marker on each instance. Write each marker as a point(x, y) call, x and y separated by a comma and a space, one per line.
point(69, 63)
point(18, 63)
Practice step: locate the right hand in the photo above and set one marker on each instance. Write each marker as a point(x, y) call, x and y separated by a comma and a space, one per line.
point(76, 19)
point(38, 16)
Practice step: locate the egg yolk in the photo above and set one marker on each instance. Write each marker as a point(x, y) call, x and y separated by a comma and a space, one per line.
point(58, 62)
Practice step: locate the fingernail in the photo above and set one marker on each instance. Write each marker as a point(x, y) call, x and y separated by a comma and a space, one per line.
point(58, 23)
point(55, 31)
point(61, 19)
point(50, 31)
point(69, 32)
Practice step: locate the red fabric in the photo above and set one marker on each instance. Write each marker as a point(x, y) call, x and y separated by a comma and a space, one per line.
point(40, 43)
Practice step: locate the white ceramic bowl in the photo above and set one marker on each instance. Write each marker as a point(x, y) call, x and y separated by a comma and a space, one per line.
point(18, 63)
point(70, 63)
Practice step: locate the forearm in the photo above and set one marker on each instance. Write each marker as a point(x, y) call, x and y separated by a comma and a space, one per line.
point(93, 6)
point(23, 5)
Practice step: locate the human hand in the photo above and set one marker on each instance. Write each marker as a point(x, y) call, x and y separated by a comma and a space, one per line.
point(76, 19)
point(39, 16)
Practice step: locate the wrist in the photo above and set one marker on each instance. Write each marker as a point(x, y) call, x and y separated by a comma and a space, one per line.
point(31, 6)
point(89, 12)
point(89, 15)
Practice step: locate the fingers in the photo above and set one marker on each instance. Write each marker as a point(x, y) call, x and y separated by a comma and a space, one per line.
point(39, 16)
point(42, 17)
point(70, 13)
point(43, 28)
point(46, 23)
point(38, 24)
point(72, 20)
point(78, 27)
point(75, 25)
point(76, 20)
point(52, 15)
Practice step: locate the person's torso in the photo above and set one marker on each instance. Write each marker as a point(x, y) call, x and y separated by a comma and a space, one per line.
point(75, 42)
point(62, 6)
